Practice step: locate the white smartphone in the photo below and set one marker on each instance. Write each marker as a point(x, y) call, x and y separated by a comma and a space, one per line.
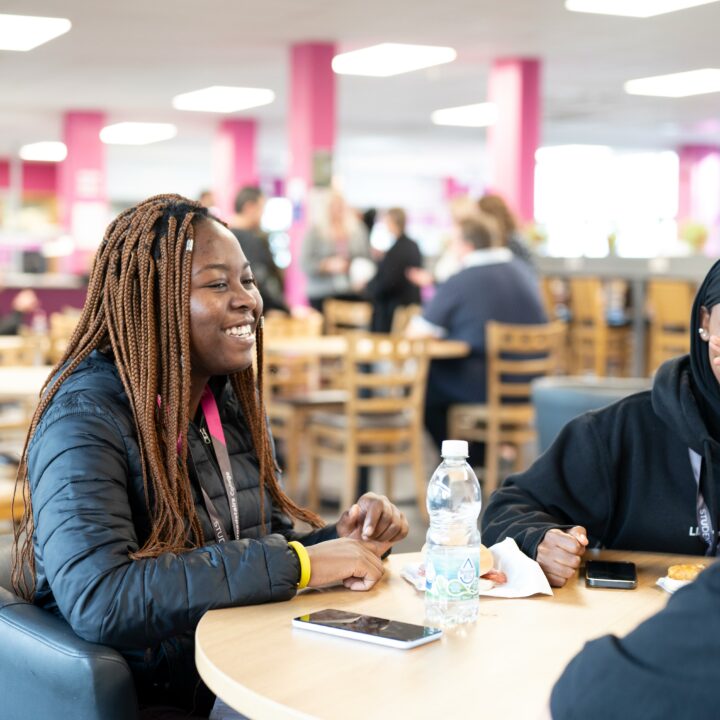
point(368, 628)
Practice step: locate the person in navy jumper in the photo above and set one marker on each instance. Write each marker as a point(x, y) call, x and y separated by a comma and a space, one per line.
point(491, 285)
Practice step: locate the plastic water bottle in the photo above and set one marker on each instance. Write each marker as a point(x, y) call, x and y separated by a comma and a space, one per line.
point(452, 561)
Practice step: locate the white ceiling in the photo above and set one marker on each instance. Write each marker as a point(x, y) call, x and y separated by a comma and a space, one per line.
point(130, 58)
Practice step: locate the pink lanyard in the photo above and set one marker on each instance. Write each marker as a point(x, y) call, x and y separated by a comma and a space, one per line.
point(217, 437)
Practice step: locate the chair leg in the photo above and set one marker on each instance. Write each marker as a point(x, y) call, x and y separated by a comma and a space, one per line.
point(313, 500)
point(292, 461)
point(418, 467)
point(492, 459)
point(389, 481)
point(348, 494)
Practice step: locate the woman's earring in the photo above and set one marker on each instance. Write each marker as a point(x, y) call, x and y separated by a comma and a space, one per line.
point(703, 334)
point(261, 321)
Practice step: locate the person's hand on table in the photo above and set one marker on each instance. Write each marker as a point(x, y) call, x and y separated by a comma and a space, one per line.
point(559, 553)
point(355, 564)
point(373, 518)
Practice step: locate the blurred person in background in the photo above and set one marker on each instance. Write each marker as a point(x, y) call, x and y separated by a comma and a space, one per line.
point(494, 206)
point(336, 237)
point(245, 225)
point(24, 303)
point(390, 288)
point(207, 199)
point(491, 285)
point(447, 262)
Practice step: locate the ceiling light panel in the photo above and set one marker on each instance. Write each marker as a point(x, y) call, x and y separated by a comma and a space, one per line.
point(389, 59)
point(633, 8)
point(46, 151)
point(24, 32)
point(223, 99)
point(476, 115)
point(137, 133)
point(677, 85)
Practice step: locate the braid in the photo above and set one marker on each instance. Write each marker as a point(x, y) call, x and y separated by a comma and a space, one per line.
point(138, 306)
point(253, 406)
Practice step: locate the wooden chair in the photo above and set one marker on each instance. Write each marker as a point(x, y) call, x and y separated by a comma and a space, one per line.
point(61, 327)
point(669, 305)
point(402, 318)
point(18, 350)
point(597, 346)
point(381, 423)
point(343, 315)
point(516, 355)
point(7, 490)
point(292, 389)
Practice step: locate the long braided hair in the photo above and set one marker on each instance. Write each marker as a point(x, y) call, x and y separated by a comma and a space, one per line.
point(138, 307)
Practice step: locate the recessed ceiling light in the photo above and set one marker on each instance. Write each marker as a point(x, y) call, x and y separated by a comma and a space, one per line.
point(48, 151)
point(632, 8)
point(476, 115)
point(137, 133)
point(223, 99)
point(676, 85)
point(389, 59)
point(24, 32)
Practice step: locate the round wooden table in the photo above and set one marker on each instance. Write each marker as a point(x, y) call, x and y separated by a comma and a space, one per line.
point(503, 666)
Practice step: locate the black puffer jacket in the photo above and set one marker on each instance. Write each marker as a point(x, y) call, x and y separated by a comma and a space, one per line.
point(90, 513)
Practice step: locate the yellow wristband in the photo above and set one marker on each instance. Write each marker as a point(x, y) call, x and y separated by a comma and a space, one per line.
point(304, 559)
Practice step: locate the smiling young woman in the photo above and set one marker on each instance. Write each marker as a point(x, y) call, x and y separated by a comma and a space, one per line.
point(152, 493)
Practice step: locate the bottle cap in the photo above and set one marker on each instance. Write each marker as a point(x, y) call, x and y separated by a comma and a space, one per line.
point(454, 448)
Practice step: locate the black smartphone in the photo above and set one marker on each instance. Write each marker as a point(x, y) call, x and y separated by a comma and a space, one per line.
point(605, 574)
point(368, 628)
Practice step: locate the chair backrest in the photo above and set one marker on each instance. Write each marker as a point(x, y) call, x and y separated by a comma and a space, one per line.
point(290, 374)
point(670, 305)
point(518, 354)
point(557, 400)
point(282, 325)
point(385, 375)
point(343, 315)
point(62, 325)
point(402, 316)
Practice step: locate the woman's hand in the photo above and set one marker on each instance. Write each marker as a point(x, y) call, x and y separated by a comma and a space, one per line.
point(559, 553)
point(354, 564)
point(373, 517)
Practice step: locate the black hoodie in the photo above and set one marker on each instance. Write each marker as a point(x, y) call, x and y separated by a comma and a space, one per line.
point(667, 668)
point(623, 473)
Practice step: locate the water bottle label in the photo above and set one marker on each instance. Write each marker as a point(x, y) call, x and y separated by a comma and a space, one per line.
point(452, 576)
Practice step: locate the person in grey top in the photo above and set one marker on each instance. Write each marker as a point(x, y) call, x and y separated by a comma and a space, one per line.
point(336, 237)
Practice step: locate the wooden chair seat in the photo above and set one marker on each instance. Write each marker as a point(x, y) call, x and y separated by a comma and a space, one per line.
point(516, 355)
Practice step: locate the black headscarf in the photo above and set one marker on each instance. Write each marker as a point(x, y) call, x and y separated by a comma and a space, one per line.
point(707, 388)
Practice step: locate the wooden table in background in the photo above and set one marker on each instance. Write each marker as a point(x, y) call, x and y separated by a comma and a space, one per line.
point(22, 383)
point(337, 346)
point(503, 666)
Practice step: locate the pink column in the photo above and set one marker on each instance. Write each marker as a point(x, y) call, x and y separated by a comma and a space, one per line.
point(82, 188)
point(311, 134)
point(234, 161)
point(514, 87)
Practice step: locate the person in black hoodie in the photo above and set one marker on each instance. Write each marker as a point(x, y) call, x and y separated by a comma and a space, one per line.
point(640, 474)
point(667, 668)
point(390, 288)
point(152, 490)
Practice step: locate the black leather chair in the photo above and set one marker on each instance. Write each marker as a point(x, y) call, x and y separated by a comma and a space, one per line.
point(48, 672)
point(557, 400)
